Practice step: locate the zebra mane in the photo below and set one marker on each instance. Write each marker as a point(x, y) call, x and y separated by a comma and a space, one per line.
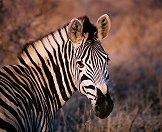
point(88, 27)
point(29, 43)
point(36, 45)
point(32, 47)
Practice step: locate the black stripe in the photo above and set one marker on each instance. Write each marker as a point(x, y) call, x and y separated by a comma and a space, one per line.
point(13, 112)
point(9, 97)
point(58, 74)
point(7, 126)
point(90, 87)
point(52, 85)
point(83, 90)
point(55, 68)
point(10, 87)
point(90, 98)
point(90, 75)
point(66, 32)
point(63, 41)
point(107, 78)
point(91, 94)
point(37, 68)
point(88, 55)
point(69, 46)
point(59, 31)
point(21, 97)
point(29, 76)
point(90, 70)
point(23, 86)
point(49, 78)
point(84, 77)
point(16, 86)
point(53, 89)
point(68, 69)
point(84, 52)
point(18, 104)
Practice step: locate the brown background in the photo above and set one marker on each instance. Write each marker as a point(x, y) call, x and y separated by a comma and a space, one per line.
point(134, 46)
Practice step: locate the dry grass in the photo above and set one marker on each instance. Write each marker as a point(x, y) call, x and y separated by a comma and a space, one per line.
point(136, 110)
point(134, 45)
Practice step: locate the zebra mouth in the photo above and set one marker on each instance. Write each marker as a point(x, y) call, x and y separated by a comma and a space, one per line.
point(104, 105)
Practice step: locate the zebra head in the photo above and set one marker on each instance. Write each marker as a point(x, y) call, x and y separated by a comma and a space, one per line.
point(90, 62)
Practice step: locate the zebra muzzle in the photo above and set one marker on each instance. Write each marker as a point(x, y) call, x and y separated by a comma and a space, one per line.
point(104, 105)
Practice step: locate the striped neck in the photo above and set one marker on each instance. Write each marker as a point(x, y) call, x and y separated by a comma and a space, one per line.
point(53, 56)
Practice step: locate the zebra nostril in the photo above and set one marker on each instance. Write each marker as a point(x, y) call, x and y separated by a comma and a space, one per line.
point(104, 104)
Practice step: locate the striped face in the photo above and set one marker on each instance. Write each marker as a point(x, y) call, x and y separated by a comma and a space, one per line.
point(90, 62)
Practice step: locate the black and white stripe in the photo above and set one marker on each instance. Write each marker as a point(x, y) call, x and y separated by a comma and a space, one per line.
point(34, 90)
point(46, 76)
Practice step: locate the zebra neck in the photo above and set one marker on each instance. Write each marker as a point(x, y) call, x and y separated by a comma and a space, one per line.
point(51, 58)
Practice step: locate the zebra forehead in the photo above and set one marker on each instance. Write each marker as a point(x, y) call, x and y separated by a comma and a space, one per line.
point(92, 51)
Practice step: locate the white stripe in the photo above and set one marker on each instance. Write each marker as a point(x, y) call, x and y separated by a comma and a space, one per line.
point(52, 41)
point(63, 32)
point(58, 39)
point(40, 48)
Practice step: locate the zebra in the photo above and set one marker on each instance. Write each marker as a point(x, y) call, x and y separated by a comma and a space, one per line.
point(49, 70)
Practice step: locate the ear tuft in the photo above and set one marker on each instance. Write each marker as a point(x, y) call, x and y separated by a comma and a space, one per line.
point(75, 29)
point(103, 26)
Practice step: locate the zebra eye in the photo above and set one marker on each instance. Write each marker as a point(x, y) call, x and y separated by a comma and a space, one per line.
point(79, 64)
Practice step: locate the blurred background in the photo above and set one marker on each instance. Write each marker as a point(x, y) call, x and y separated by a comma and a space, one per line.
point(134, 46)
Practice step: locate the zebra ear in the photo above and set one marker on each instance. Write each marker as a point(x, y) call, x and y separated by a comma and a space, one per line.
point(103, 26)
point(75, 29)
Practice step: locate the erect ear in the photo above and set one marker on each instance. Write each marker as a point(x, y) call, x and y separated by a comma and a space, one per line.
point(75, 29)
point(103, 26)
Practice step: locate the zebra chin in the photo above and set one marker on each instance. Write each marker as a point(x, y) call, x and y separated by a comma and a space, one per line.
point(104, 105)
